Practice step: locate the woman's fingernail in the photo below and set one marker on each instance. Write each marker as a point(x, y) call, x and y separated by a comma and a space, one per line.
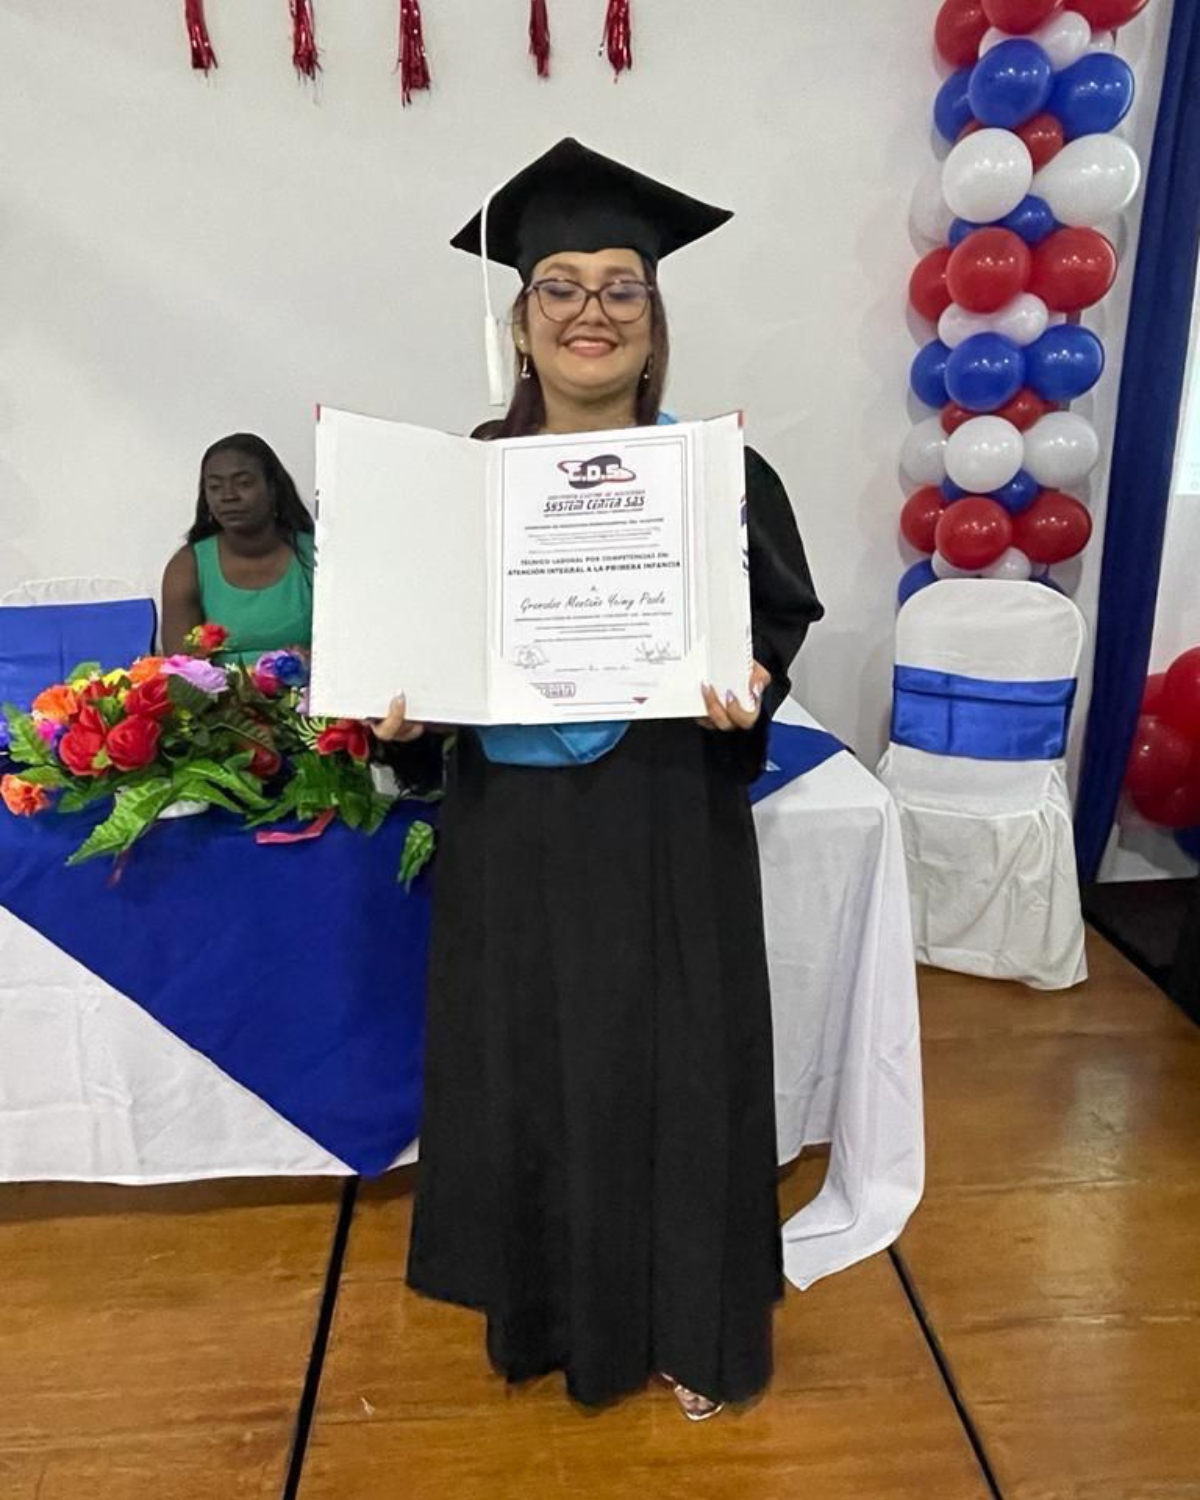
point(731, 696)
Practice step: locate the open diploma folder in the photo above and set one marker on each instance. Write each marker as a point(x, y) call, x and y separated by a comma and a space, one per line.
point(539, 580)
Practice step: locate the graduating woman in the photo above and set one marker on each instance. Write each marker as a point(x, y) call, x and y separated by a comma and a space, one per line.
point(598, 1153)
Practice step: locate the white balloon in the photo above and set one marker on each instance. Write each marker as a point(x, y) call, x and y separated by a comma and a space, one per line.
point(984, 454)
point(1089, 180)
point(957, 324)
point(930, 215)
point(945, 569)
point(986, 175)
point(1012, 563)
point(1064, 38)
point(1061, 448)
point(1023, 319)
point(923, 457)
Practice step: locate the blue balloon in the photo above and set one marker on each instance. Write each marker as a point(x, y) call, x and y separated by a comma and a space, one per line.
point(1064, 363)
point(1093, 95)
point(951, 108)
point(952, 491)
point(959, 229)
point(928, 374)
point(1018, 494)
point(985, 371)
point(1188, 839)
point(919, 576)
point(1031, 219)
point(1010, 83)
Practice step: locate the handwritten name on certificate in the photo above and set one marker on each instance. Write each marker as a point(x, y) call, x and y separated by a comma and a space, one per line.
point(596, 568)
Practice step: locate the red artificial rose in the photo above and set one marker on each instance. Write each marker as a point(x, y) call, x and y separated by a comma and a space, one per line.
point(206, 639)
point(347, 734)
point(264, 762)
point(82, 743)
point(133, 742)
point(96, 688)
point(150, 699)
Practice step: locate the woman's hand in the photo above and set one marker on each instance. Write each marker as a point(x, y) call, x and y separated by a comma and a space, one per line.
point(730, 714)
point(396, 727)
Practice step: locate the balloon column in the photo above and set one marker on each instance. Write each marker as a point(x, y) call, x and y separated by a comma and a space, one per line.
point(1016, 257)
point(1163, 775)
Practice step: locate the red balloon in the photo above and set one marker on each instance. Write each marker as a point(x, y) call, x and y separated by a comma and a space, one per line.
point(1107, 15)
point(1019, 16)
point(1044, 137)
point(973, 532)
point(1181, 694)
point(1152, 693)
point(1160, 758)
point(959, 30)
point(1072, 269)
point(1178, 808)
point(919, 518)
point(987, 269)
point(1053, 528)
point(1023, 410)
point(927, 290)
point(953, 416)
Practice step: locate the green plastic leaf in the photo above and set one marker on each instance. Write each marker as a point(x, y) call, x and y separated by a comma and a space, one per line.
point(417, 852)
point(133, 812)
point(45, 776)
point(186, 695)
point(83, 795)
point(84, 669)
point(25, 743)
point(247, 789)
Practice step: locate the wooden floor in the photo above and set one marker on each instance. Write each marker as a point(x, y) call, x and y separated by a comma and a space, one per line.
point(1035, 1335)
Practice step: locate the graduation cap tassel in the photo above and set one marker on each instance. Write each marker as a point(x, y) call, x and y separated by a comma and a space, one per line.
point(306, 59)
point(413, 64)
point(618, 37)
point(539, 36)
point(203, 56)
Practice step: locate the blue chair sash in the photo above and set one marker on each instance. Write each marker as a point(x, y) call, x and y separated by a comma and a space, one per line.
point(40, 643)
point(979, 719)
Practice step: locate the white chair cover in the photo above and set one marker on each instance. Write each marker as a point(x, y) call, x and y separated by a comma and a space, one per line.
point(71, 591)
point(989, 843)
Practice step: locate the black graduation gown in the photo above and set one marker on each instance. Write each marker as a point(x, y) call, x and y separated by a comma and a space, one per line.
point(598, 1153)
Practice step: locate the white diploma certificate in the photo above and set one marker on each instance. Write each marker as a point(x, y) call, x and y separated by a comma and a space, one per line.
point(592, 576)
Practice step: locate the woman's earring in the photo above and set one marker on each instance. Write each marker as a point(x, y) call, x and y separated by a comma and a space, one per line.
point(525, 370)
point(646, 371)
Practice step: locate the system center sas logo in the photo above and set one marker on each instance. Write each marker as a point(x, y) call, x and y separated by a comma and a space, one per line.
point(588, 473)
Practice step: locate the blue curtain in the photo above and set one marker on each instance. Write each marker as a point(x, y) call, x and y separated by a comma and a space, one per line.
point(1143, 449)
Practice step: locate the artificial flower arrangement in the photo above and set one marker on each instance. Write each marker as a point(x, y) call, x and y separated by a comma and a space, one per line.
point(169, 731)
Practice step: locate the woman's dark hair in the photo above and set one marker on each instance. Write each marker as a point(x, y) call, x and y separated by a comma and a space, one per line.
point(291, 516)
point(527, 410)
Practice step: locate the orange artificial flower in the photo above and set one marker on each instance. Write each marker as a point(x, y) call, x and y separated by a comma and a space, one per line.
point(145, 669)
point(59, 703)
point(23, 797)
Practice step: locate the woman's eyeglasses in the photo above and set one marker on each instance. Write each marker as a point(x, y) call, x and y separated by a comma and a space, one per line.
point(562, 301)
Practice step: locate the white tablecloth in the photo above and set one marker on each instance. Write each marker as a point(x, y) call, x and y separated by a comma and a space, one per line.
point(93, 1089)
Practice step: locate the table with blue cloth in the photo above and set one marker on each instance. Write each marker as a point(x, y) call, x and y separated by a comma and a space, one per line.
point(213, 1006)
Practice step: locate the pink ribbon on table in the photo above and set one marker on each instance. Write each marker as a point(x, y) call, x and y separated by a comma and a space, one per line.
point(314, 831)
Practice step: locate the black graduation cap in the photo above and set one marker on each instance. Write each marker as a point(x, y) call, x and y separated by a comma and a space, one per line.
point(573, 198)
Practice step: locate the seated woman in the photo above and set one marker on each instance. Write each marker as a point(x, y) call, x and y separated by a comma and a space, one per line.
point(248, 562)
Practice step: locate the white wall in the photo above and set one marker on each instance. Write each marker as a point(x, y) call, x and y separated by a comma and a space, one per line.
point(186, 257)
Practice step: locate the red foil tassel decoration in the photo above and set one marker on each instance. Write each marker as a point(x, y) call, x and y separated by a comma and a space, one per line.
point(618, 36)
point(413, 64)
point(539, 36)
point(203, 56)
point(306, 58)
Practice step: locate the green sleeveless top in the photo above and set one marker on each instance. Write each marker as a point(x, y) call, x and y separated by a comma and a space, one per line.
point(258, 620)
